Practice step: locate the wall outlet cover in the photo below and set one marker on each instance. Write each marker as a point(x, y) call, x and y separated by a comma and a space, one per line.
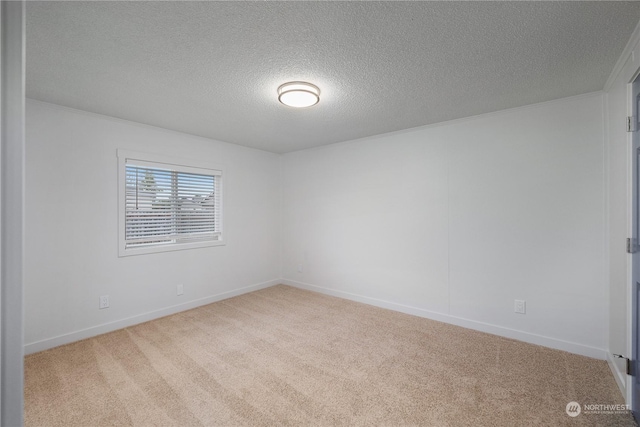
point(104, 301)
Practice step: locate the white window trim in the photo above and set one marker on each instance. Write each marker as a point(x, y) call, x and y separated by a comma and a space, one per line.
point(185, 165)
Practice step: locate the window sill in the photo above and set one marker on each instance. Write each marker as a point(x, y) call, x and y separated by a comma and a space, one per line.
point(124, 252)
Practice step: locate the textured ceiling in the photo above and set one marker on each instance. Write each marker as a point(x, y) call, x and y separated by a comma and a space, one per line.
point(212, 68)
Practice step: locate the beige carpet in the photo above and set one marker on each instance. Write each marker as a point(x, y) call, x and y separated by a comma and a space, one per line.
point(284, 356)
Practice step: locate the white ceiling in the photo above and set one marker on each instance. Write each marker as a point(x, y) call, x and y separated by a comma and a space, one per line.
point(212, 68)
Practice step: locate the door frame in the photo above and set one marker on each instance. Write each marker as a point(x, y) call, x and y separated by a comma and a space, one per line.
point(12, 168)
point(633, 231)
point(633, 282)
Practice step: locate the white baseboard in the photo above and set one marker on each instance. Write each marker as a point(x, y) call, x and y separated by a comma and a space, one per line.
point(571, 347)
point(59, 340)
point(618, 375)
point(554, 343)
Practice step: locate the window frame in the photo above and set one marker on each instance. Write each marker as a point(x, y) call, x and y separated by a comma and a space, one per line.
point(173, 163)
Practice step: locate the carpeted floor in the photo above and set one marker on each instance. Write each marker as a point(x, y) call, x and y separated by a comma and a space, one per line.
point(284, 356)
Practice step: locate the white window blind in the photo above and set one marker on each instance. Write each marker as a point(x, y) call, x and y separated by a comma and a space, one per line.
point(170, 205)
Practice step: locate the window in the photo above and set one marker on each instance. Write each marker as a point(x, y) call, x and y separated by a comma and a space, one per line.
point(168, 205)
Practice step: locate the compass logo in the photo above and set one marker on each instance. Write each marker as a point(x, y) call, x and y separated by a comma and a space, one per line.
point(573, 409)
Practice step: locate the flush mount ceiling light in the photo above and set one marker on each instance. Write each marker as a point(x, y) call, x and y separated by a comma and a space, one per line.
point(298, 94)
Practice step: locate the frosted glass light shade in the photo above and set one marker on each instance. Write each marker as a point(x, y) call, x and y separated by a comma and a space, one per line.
point(298, 94)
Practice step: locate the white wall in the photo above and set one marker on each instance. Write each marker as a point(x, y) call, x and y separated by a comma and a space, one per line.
point(71, 227)
point(618, 155)
point(456, 221)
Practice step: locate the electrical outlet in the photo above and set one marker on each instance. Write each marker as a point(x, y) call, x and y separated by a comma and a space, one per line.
point(180, 289)
point(520, 306)
point(300, 268)
point(104, 301)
